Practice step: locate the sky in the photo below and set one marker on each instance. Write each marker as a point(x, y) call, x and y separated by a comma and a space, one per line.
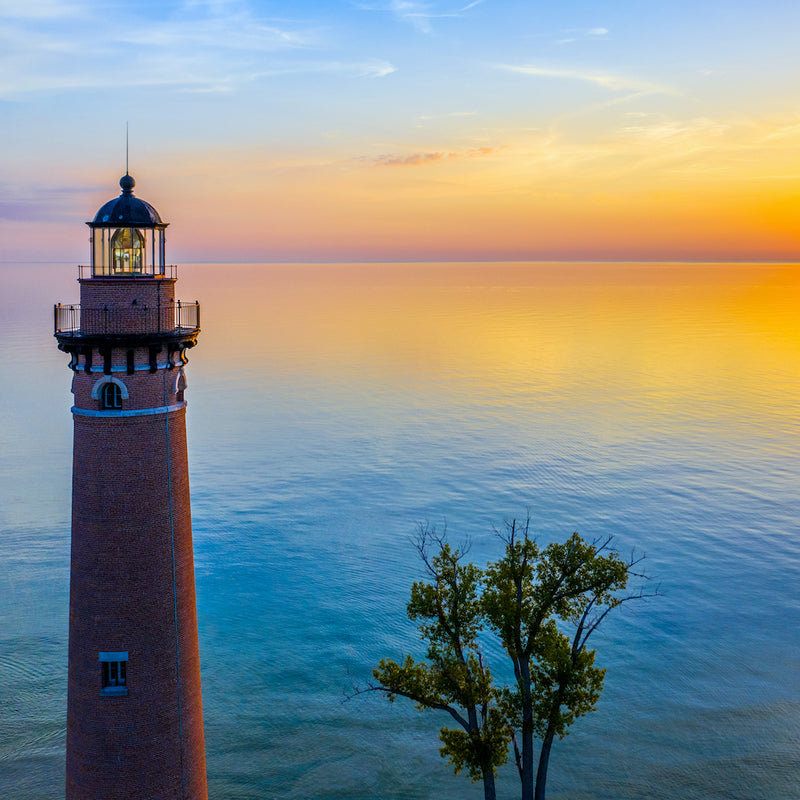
point(403, 130)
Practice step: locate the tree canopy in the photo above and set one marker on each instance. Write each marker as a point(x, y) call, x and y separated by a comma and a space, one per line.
point(542, 604)
point(455, 679)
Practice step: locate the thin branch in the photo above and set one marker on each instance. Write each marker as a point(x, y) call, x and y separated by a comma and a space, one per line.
point(371, 687)
point(517, 754)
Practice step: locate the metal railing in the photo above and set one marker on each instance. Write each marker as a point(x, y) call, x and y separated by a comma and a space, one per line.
point(149, 271)
point(180, 316)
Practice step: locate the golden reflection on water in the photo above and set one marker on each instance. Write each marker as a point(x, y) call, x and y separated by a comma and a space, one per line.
point(331, 406)
point(581, 332)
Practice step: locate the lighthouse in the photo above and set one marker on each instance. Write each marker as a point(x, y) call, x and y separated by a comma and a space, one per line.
point(134, 706)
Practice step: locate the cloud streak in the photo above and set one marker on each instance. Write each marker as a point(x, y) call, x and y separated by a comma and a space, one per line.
point(417, 13)
point(574, 35)
point(41, 10)
point(420, 159)
point(208, 47)
point(43, 203)
point(616, 83)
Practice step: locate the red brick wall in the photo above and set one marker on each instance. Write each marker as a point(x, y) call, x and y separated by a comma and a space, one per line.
point(130, 503)
point(145, 389)
point(130, 299)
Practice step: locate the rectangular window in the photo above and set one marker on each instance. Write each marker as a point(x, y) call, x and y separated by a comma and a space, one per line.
point(114, 669)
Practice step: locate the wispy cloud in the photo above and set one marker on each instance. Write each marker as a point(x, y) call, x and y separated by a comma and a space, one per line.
point(24, 211)
point(576, 34)
point(41, 9)
point(419, 159)
point(374, 68)
point(208, 46)
point(35, 202)
point(784, 130)
point(616, 83)
point(675, 131)
point(413, 160)
point(418, 14)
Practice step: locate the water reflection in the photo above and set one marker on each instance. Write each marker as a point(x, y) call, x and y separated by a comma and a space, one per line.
point(333, 406)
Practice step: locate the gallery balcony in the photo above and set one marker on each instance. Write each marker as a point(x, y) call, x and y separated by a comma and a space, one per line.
point(74, 324)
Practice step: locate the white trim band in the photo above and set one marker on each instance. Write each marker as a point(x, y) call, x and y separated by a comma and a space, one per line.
point(97, 368)
point(136, 412)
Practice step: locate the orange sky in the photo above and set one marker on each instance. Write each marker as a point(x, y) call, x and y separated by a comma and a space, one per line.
point(407, 131)
point(729, 197)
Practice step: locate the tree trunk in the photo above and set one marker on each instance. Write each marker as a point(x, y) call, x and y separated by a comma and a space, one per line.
point(527, 733)
point(527, 760)
point(488, 785)
point(544, 760)
point(547, 740)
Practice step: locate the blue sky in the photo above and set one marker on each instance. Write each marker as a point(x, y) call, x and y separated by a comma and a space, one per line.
point(238, 103)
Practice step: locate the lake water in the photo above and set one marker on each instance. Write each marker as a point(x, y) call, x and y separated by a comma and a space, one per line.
point(333, 407)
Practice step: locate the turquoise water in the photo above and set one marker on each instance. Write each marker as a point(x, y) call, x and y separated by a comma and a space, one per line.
point(332, 407)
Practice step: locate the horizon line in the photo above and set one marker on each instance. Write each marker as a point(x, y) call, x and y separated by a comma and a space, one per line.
point(471, 261)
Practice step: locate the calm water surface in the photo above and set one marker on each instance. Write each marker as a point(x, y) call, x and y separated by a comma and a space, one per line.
point(332, 407)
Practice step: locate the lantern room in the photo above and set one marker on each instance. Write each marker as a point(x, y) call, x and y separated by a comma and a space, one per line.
point(128, 237)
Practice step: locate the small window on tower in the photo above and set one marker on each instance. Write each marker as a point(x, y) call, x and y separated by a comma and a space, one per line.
point(114, 668)
point(111, 395)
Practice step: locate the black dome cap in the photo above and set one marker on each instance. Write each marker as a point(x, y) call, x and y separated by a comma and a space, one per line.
point(127, 209)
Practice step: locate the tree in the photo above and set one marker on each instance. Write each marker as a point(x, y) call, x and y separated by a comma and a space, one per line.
point(455, 678)
point(529, 597)
point(530, 591)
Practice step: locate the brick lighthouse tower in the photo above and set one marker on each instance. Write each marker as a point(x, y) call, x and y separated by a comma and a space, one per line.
point(134, 708)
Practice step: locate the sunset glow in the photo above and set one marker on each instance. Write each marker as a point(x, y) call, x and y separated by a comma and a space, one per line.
point(337, 131)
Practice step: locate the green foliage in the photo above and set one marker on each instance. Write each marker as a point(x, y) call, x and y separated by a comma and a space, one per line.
point(409, 680)
point(475, 750)
point(565, 683)
point(510, 601)
point(531, 597)
point(449, 616)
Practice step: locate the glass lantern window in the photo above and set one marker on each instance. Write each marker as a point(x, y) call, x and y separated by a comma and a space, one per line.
point(127, 251)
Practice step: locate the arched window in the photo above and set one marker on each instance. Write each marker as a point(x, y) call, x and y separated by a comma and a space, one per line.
point(111, 395)
point(127, 250)
point(110, 392)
